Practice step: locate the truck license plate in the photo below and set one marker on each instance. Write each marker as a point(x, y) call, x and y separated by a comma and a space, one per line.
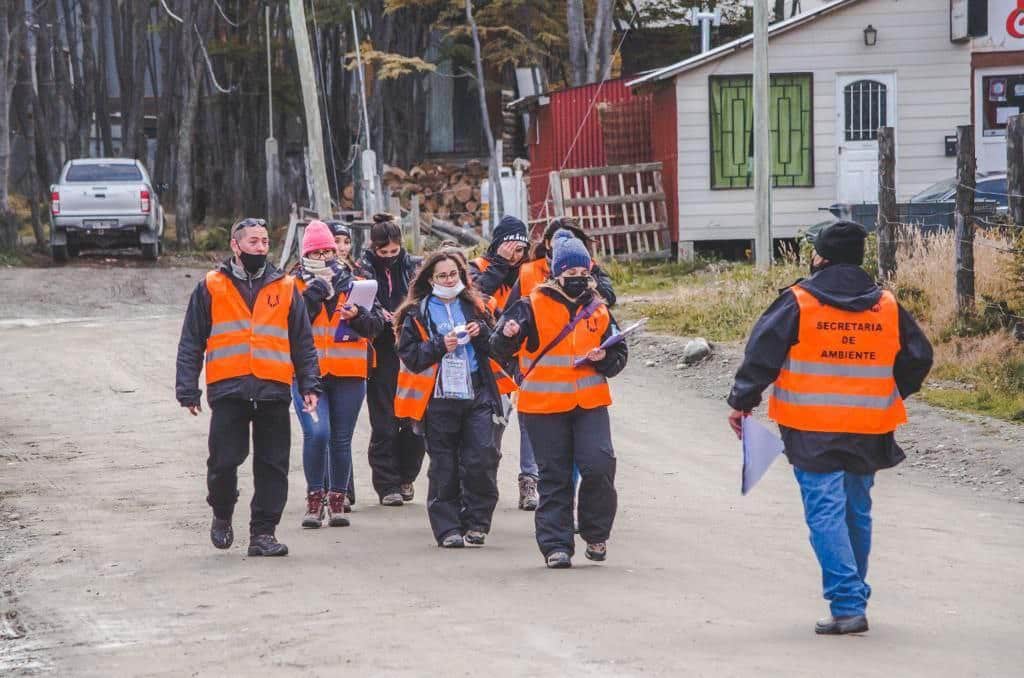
point(99, 224)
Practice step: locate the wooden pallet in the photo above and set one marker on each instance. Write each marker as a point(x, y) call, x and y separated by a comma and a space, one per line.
point(621, 207)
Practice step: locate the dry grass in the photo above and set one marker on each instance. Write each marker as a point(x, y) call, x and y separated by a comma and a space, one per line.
point(979, 366)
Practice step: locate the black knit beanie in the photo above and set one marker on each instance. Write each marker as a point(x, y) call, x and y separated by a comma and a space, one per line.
point(842, 243)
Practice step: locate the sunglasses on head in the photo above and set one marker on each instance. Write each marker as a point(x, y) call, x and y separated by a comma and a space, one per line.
point(247, 223)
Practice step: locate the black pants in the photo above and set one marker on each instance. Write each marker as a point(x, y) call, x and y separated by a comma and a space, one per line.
point(463, 472)
point(582, 437)
point(396, 452)
point(230, 421)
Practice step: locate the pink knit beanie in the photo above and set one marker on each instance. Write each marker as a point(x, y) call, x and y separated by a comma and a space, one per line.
point(317, 237)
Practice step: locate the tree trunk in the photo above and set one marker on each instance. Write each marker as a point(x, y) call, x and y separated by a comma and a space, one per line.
point(596, 67)
point(577, 24)
point(481, 87)
point(11, 23)
point(130, 24)
point(102, 95)
point(192, 71)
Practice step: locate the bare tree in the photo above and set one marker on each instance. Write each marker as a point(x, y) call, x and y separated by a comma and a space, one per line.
point(590, 56)
point(130, 21)
point(576, 19)
point(495, 194)
point(12, 22)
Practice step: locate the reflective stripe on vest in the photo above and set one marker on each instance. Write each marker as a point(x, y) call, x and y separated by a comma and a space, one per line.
point(244, 341)
point(414, 388)
point(337, 358)
point(497, 301)
point(838, 377)
point(506, 384)
point(555, 384)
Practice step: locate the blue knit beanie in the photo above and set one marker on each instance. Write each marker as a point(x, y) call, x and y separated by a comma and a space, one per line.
point(568, 252)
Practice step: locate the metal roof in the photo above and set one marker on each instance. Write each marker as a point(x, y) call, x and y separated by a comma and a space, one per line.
point(736, 45)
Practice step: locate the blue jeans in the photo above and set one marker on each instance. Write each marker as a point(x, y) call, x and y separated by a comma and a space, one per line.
point(837, 507)
point(527, 461)
point(327, 444)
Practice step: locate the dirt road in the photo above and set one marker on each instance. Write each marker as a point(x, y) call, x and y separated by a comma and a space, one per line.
point(107, 569)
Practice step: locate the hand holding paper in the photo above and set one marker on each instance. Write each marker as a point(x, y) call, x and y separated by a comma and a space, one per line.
point(760, 448)
point(614, 339)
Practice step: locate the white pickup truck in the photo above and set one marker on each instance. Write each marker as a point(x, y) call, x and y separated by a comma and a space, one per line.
point(104, 203)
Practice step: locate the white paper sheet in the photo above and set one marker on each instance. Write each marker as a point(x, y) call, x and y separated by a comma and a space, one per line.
point(363, 293)
point(1004, 113)
point(760, 448)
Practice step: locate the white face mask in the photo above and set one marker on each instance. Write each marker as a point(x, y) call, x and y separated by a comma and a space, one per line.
point(448, 293)
point(313, 265)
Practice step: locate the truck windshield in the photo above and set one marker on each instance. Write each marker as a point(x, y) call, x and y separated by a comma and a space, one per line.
point(103, 173)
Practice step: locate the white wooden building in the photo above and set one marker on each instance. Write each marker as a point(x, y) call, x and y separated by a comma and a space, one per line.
point(839, 71)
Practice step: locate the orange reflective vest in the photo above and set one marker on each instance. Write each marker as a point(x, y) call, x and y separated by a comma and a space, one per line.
point(838, 377)
point(243, 341)
point(496, 302)
point(533, 274)
point(414, 388)
point(555, 385)
point(337, 358)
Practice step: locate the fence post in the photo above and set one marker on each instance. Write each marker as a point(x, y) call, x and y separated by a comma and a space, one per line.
point(887, 214)
point(414, 217)
point(1015, 167)
point(555, 187)
point(966, 165)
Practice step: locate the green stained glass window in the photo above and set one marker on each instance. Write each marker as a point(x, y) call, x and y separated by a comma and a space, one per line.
point(790, 121)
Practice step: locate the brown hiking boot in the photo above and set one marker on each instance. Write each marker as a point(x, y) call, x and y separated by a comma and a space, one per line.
point(336, 510)
point(314, 517)
point(528, 498)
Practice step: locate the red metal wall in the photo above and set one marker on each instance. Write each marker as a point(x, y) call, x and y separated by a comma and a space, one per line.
point(554, 127)
point(665, 147)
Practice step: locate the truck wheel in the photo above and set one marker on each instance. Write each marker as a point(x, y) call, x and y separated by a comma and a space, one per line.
point(150, 252)
point(59, 252)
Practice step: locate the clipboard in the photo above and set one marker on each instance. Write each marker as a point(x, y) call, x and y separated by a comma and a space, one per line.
point(615, 339)
point(363, 294)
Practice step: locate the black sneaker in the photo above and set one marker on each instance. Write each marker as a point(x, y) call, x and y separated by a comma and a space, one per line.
point(453, 540)
point(597, 551)
point(392, 499)
point(840, 626)
point(266, 545)
point(408, 492)
point(475, 538)
point(559, 560)
point(221, 533)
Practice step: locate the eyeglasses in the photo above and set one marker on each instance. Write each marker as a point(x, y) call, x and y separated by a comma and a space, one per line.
point(441, 277)
point(322, 254)
point(247, 223)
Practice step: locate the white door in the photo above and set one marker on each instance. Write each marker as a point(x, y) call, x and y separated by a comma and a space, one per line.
point(863, 104)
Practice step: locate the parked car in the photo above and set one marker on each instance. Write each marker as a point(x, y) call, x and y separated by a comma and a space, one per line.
point(990, 187)
point(104, 203)
point(931, 209)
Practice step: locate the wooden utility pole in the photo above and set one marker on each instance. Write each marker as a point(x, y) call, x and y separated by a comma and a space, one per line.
point(762, 141)
point(887, 214)
point(1015, 167)
point(966, 168)
point(321, 197)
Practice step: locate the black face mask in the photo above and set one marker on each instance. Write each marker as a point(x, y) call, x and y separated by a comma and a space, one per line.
point(252, 262)
point(575, 286)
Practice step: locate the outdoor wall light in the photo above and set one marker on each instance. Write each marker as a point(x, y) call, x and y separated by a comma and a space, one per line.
point(870, 36)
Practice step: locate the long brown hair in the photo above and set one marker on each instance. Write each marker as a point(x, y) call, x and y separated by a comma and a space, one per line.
point(540, 249)
point(422, 286)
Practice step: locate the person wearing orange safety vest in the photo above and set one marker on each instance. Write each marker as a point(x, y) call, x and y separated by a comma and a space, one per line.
point(325, 279)
point(494, 273)
point(841, 356)
point(558, 332)
point(248, 322)
point(447, 385)
point(533, 274)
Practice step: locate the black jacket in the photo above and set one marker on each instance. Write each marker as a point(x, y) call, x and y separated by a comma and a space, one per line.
point(419, 355)
point(195, 331)
point(504, 348)
point(366, 324)
point(849, 288)
point(604, 287)
point(403, 269)
point(499, 274)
